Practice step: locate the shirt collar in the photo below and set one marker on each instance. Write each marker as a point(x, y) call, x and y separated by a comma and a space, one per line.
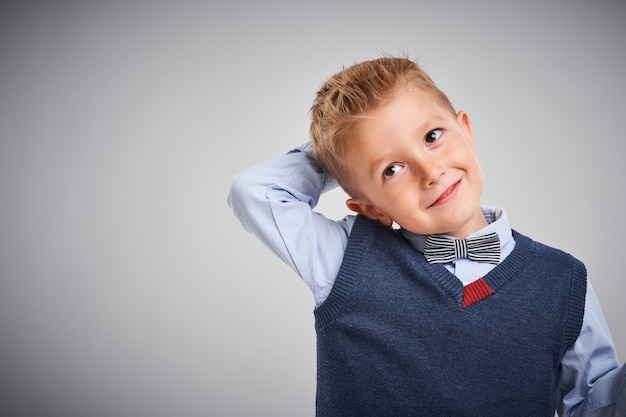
point(495, 216)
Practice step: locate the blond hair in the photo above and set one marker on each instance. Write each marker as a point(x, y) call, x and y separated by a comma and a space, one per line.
point(347, 95)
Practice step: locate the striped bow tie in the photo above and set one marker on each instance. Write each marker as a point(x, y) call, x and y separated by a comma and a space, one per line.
point(440, 249)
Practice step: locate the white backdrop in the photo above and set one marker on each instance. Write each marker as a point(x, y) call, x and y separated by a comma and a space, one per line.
point(128, 289)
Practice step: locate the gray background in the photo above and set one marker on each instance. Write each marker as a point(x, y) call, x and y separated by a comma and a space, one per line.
point(128, 289)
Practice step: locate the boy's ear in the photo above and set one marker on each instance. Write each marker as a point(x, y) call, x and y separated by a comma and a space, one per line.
point(367, 209)
point(466, 125)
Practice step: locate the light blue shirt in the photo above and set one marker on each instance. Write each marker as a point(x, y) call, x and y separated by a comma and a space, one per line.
point(275, 201)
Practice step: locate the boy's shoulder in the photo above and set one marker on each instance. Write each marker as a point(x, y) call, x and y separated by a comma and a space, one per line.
point(544, 254)
point(542, 246)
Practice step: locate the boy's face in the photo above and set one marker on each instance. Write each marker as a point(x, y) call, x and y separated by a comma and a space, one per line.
point(414, 163)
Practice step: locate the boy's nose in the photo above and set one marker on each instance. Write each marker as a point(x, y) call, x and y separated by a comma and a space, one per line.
point(432, 171)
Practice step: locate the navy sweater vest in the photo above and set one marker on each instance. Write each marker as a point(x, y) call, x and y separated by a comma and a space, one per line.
point(395, 339)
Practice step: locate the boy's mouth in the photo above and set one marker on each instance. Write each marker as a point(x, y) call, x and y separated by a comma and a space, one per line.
point(447, 195)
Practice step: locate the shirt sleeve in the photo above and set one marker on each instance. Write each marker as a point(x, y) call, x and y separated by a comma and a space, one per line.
point(591, 382)
point(275, 200)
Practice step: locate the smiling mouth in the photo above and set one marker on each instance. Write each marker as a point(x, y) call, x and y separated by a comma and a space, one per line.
point(447, 195)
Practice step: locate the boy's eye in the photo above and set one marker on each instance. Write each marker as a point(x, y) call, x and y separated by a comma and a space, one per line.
point(433, 135)
point(392, 170)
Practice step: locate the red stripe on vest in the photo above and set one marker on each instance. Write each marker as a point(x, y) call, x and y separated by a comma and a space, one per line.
point(476, 291)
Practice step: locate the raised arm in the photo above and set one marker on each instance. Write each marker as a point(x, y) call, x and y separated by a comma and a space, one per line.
point(274, 201)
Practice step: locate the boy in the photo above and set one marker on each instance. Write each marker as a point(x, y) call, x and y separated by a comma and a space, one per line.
point(407, 325)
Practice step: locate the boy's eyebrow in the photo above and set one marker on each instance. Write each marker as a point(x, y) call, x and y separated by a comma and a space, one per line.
point(376, 163)
point(433, 120)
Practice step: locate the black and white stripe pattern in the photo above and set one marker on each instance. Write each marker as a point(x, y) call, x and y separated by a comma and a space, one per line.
point(441, 249)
